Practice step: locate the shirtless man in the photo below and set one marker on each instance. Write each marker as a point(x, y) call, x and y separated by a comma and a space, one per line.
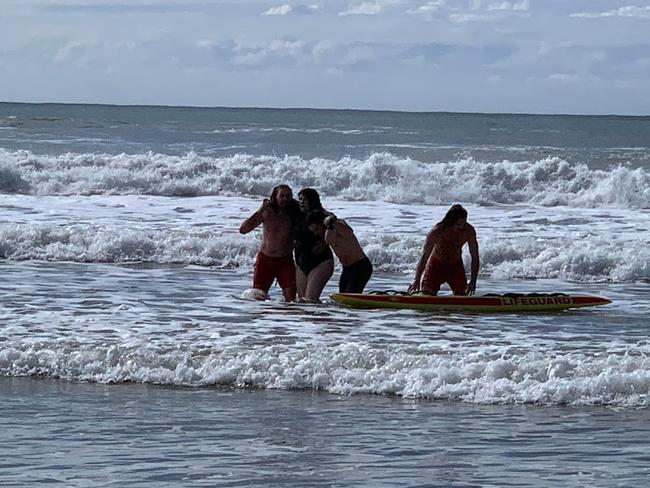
point(441, 260)
point(357, 268)
point(274, 259)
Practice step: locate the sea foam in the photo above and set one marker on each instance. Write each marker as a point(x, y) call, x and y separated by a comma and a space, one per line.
point(486, 376)
point(379, 177)
point(591, 258)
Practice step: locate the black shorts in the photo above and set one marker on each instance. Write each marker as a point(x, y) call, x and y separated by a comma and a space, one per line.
point(355, 277)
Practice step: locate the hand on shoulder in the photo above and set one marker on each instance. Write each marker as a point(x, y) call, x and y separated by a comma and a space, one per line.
point(329, 221)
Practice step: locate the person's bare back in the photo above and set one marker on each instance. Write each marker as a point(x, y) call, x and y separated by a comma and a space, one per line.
point(448, 243)
point(344, 243)
point(357, 268)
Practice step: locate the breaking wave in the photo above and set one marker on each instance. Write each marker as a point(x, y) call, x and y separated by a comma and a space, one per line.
point(379, 177)
point(592, 258)
point(487, 376)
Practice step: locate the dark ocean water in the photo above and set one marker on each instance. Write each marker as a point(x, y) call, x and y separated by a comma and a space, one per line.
point(598, 141)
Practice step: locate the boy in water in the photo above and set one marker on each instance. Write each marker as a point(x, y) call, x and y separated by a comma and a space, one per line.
point(357, 268)
point(441, 260)
point(274, 259)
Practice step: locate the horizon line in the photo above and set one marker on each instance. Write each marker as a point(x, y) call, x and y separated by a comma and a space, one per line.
point(379, 110)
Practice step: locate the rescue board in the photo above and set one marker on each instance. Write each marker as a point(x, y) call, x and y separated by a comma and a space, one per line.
point(509, 302)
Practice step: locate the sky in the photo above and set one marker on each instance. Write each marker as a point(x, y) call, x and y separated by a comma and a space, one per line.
point(521, 56)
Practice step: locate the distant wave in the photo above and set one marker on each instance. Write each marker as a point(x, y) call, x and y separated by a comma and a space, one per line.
point(588, 259)
point(380, 176)
point(487, 377)
point(245, 130)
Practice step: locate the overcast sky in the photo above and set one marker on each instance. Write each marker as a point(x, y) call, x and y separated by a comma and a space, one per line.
point(536, 56)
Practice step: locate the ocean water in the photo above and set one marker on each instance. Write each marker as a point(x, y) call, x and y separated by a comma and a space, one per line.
point(129, 355)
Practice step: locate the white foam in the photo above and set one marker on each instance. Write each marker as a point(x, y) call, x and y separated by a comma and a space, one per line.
point(254, 294)
point(487, 376)
point(515, 242)
point(379, 177)
point(114, 245)
point(591, 259)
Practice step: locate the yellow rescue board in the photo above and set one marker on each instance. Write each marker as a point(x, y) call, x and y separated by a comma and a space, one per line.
point(510, 302)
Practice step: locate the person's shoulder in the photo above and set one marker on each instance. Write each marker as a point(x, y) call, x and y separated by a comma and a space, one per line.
point(470, 230)
point(270, 213)
point(344, 227)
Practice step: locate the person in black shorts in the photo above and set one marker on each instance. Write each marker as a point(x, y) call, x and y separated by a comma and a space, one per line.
point(357, 268)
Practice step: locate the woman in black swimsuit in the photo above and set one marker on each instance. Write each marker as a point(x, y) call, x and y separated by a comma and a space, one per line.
point(314, 259)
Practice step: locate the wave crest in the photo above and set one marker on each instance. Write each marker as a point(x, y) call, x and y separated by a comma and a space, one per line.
point(489, 377)
point(379, 177)
point(590, 259)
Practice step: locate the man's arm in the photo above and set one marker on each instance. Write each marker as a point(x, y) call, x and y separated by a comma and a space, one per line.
point(254, 220)
point(426, 252)
point(473, 252)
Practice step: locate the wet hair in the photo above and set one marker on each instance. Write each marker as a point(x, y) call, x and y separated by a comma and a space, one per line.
point(315, 217)
point(454, 214)
point(312, 197)
point(274, 195)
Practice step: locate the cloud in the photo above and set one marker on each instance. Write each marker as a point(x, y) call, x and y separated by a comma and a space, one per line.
point(287, 9)
point(564, 77)
point(279, 10)
point(236, 55)
point(365, 8)
point(279, 52)
point(125, 7)
point(629, 11)
point(355, 56)
point(569, 63)
point(476, 11)
point(466, 18)
point(83, 53)
point(512, 6)
point(429, 10)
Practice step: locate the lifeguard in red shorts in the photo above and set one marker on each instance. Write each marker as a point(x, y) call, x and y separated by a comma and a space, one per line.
point(275, 257)
point(442, 260)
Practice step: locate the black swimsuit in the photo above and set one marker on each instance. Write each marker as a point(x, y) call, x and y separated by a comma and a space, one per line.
point(305, 241)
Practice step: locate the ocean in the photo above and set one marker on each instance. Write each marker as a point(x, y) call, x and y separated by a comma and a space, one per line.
point(130, 355)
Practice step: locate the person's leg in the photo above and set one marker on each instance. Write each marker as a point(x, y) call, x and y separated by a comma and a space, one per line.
point(457, 280)
point(360, 275)
point(289, 294)
point(301, 283)
point(432, 277)
point(317, 280)
point(263, 273)
point(345, 280)
point(286, 276)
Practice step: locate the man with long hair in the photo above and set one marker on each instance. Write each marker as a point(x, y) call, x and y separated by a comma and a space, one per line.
point(274, 259)
point(442, 260)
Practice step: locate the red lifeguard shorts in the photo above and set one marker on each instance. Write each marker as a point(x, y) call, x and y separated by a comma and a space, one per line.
point(437, 273)
point(267, 269)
